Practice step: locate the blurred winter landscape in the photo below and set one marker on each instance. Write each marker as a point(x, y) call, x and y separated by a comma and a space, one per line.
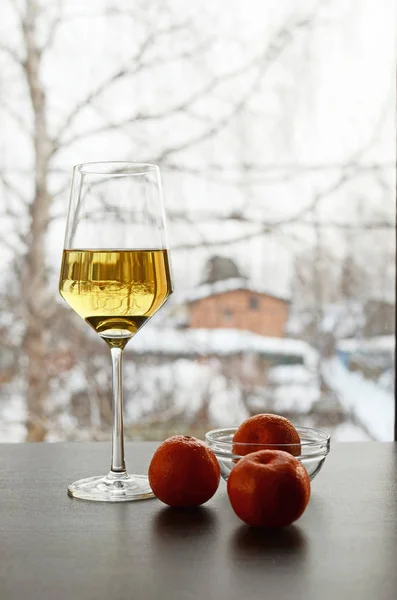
point(273, 124)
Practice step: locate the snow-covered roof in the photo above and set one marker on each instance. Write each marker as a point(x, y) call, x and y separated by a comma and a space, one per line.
point(228, 285)
point(222, 342)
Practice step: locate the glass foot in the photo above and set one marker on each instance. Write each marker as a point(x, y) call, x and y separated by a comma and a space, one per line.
point(114, 487)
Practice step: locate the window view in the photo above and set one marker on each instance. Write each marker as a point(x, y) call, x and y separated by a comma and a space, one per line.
point(273, 126)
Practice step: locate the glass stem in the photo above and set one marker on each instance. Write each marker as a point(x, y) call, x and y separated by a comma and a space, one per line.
point(118, 463)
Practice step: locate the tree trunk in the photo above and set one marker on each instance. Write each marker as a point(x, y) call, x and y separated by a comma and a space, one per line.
point(36, 293)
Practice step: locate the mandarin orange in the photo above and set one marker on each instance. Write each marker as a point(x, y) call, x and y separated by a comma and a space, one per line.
point(270, 488)
point(264, 429)
point(184, 472)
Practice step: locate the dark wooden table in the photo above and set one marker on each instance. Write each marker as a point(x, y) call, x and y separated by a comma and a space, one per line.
point(55, 547)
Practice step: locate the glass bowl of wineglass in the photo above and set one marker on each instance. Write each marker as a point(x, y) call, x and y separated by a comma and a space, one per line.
point(115, 274)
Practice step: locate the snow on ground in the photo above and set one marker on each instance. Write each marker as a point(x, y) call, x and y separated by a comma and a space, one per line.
point(220, 342)
point(11, 432)
point(386, 380)
point(290, 374)
point(296, 398)
point(12, 419)
point(183, 382)
point(371, 405)
point(189, 386)
point(226, 408)
point(184, 386)
point(294, 388)
point(381, 343)
point(343, 318)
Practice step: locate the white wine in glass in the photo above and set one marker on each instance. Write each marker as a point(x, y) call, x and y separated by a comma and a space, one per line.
point(115, 274)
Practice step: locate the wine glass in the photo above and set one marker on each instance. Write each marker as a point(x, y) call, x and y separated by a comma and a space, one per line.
point(115, 274)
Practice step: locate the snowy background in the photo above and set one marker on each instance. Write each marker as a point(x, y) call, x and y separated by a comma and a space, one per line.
point(274, 127)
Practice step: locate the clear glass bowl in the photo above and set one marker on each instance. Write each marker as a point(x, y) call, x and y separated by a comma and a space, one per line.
point(315, 445)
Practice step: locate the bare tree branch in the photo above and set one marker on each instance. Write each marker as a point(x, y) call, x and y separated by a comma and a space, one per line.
point(12, 188)
point(16, 116)
point(345, 176)
point(280, 42)
point(15, 8)
point(14, 247)
point(269, 225)
point(139, 117)
point(356, 226)
point(131, 67)
point(10, 212)
point(287, 169)
point(373, 137)
point(368, 226)
point(284, 167)
point(53, 28)
point(11, 53)
point(270, 173)
point(298, 217)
